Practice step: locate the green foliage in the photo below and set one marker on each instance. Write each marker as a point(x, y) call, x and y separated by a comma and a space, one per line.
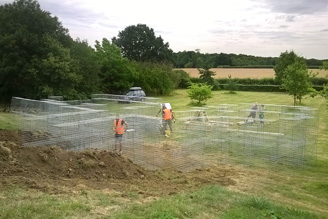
point(324, 91)
point(200, 92)
point(296, 80)
point(54, 74)
point(319, 81)
point(260, 88)
point(116, 73)
point(185, 59)
point(188, 59)
point(313, 63)
point(260, 85)
point(189, 65)
point(249, 81)
point(154, 78)
point(206, 76)
point(139, 43)
point(88, 68)
point(325, 65)
point(248, 84)
point(35, 56)
point(232, 85)
point(285, 59)
point(180, 78)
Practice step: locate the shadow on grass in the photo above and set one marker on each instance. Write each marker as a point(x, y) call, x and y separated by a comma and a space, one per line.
point(196, 104)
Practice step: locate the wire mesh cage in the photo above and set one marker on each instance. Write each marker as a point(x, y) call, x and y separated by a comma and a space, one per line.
point(199, 136)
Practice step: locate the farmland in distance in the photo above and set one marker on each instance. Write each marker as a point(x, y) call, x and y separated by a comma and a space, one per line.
point(244, 72)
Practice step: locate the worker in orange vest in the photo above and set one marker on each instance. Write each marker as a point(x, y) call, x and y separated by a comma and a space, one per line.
point(119, 130)
point(167, 120)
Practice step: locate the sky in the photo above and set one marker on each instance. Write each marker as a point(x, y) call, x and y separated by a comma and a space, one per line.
point(253, 27)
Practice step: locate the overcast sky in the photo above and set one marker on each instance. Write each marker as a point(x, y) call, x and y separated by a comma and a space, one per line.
point(252, 27)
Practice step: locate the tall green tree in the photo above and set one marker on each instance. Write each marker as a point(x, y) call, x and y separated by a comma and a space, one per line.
point(34, 56)
point(203, 65)
point(55, 73)
point(88, 67)
point(285, 59)
point(296, 80)
point(139, 43)
point(206, 75)
point(116, 73)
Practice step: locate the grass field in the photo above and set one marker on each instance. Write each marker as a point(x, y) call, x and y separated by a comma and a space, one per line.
point(305, 187)
point(260, 192)
point(8, 121)
point(245, 72)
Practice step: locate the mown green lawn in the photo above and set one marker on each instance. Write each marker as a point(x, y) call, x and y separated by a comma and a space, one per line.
point(8, 121)
point(305, 186)
point(280, 192)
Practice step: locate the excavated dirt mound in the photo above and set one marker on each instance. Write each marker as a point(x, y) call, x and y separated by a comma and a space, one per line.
point(55, 170)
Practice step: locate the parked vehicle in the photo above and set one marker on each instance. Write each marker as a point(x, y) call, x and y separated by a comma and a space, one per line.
point(135, 94)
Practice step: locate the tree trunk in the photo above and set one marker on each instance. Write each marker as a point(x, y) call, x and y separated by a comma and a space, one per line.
point(295, 100)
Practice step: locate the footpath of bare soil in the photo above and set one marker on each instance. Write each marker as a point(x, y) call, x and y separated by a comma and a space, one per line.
point(54, 170)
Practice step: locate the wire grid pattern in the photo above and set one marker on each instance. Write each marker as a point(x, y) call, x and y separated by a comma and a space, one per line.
point(202, 135)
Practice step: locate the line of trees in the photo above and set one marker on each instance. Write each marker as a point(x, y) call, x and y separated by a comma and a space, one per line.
point(189, 59)
point(38, 58)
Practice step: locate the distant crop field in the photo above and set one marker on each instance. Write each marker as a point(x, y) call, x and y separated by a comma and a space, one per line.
point(244, 72)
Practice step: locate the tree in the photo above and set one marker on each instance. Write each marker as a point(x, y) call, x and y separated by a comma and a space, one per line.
point(200, 92)
point(34, 56)
point(55, 73)
point(324, 92)
point(285, 59)
point(206, 75)
point(88, 67)
point(154, 78)
point(139, 43)
point(325, 65)
point(296, 80)
point(115, 71)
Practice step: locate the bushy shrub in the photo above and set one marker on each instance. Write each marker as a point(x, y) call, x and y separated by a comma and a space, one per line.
point(261, 85)
point(180, 78)
point(153, 78)
point(249, 81)
point(189, 65)
point(319, 81)
point(231, 85)
point(200, 92)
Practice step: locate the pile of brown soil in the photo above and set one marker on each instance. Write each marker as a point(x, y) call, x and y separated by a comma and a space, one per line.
point(52, 169)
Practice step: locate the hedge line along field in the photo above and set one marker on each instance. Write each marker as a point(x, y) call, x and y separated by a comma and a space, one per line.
point(245, 72)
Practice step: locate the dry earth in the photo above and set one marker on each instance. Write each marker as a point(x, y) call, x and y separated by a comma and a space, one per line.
point(54, 170)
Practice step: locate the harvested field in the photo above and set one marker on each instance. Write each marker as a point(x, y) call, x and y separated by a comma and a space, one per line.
point(245, 72)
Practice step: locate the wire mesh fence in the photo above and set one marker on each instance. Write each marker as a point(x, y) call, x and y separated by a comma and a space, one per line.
point(213, 134)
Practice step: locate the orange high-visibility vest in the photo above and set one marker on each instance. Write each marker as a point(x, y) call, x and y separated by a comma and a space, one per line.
point(119, 127)
point(167, 114)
